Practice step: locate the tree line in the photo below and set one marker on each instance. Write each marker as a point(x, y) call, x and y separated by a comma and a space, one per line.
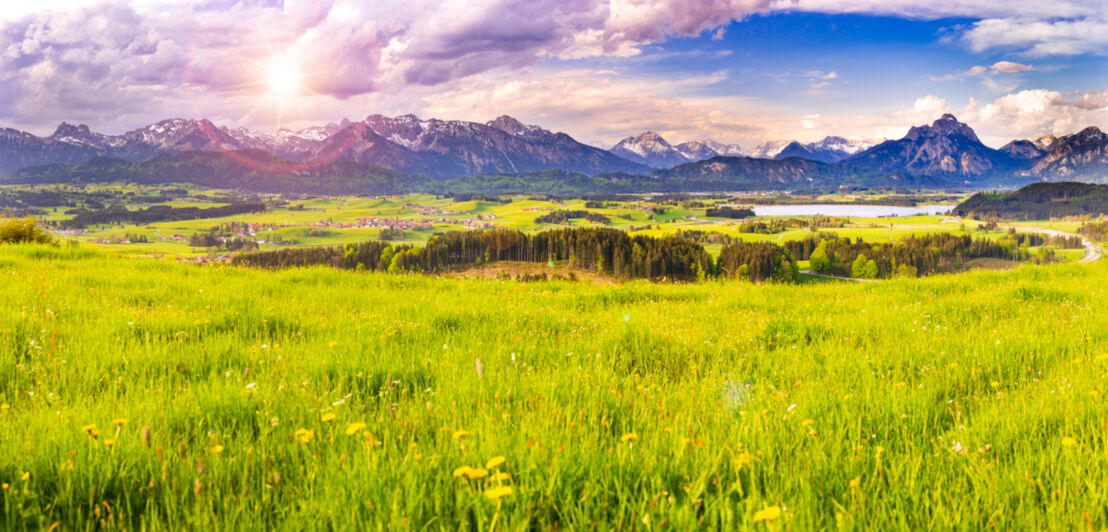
point(909, 257)
point(157, 213)
point(564, 216)
point(616, 253)
point(609, 251)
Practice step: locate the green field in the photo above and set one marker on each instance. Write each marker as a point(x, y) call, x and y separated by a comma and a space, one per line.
point(304, 225)
point(227, 398)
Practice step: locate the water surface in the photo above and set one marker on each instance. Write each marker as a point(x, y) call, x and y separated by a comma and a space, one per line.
point(853, 211)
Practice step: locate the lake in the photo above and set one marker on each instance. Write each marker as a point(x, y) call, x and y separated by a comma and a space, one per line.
point(853, 211)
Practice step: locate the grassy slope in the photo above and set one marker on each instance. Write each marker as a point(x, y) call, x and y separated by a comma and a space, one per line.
point(949, 399)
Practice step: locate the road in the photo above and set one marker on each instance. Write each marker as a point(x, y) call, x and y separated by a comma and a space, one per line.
point(1092, 251)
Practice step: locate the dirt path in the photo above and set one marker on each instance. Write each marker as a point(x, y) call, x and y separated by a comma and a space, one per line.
point(1092, 251)
point(836, 277)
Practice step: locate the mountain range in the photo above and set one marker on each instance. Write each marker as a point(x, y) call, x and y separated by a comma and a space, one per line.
point(377, 151)
point(436, 148)
point(650, 149)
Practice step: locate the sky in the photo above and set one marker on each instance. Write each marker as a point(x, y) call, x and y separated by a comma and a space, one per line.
point(736, 71)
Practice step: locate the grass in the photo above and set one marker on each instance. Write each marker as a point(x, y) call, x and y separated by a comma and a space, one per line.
point(513, 216)
point(963, 401)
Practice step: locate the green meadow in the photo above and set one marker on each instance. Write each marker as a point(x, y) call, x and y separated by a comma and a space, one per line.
point(296, 220)
point(144, 395)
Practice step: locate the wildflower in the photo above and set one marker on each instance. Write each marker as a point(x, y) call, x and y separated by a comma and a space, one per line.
point(995, 384)
point(332, 343)
point(498, 492)
point(856, 482)
point(216, 449)
point(353, 428)
point(108, 442)
point(460, 433)
point(495, 461)
point(328, 417)
point(5, 406)
point(628, 437)
point(304, 435)
point(88, 428)
point(119, 422)
point(769, 513)
point(4, 485)
point(476, 473)
point(461, 470)
point(499, 476)
point(807, 422)
point(1068, 441)
point(26, 475)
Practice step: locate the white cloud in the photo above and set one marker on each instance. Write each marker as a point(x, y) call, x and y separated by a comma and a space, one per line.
point(947, 8)
point(1009, 67)
point(992, 83)
point(1042, 37)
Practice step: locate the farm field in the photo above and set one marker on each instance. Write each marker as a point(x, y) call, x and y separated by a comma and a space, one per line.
point(146, 394)
point(339, 220)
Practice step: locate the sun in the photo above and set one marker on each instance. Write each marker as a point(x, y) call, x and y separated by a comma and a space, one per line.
point(283, 78)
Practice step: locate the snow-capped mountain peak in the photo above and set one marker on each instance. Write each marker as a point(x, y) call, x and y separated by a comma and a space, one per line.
point(649, 148)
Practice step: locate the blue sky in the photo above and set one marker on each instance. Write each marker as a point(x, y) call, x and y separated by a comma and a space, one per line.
point(742, 71)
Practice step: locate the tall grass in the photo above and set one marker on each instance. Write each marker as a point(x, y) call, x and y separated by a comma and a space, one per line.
point(956, 402)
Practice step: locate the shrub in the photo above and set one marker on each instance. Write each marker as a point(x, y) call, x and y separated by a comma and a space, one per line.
point(23, 230)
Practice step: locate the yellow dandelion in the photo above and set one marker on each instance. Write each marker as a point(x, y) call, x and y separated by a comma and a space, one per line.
point(476, 473)
point(119, 422)
point(95, 433)
point(1069, 442)
point(328, 417)
point(88, 428)
point(628, 437)
point(4, 485)
point(499, 476)
point(332, 343)
point(498, 492)
point(216, 449)
point(353, 428)
point(495, 461)
point(769, 513)
point(995, 384)
point(5, 406)
point(108, 442)
point(460, 433)
point(461, 470)
point(856, 482)
point(26, 475)
point(807, 422)
point(304, 435)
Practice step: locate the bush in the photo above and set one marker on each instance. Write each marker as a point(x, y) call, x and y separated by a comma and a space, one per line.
point(23, 230)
